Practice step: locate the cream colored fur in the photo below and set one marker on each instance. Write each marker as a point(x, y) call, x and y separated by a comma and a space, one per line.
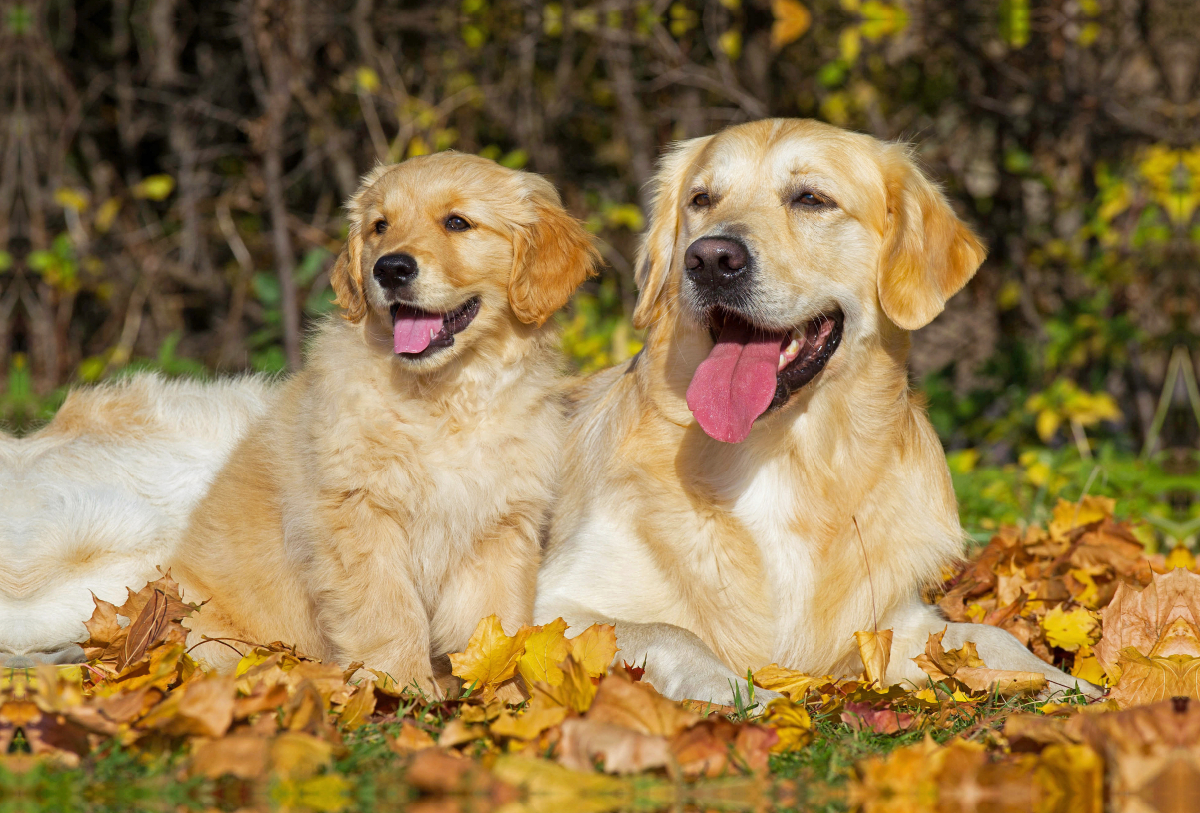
point(384, 504)
point(93, 501)
point(716, 558)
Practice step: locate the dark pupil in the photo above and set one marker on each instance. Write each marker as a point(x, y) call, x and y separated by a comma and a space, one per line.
point(380, 227)
point(702, 200)
point(457, 223)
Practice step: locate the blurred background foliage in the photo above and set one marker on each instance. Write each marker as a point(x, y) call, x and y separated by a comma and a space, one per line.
point(171, 174)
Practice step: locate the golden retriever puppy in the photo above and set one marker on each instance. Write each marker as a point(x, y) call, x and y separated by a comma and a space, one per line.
point(395, 492)
point(712, 486)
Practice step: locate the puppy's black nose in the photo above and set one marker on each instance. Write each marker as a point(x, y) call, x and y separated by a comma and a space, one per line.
point(715, 262)
point(396, 270)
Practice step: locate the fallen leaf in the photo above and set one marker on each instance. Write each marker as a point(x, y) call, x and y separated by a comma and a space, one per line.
point(638, 707)
point(412, 738)
point(545, 649)
point(861, 717)
point(242, 755)
point(791, 722)
point(295, 755)
point(788, 681)
point(595, 648)
point(1071, 630)
point(538, 716)
point(875, 650)
point(491, 656)
point(620, 750)
point(576, 690)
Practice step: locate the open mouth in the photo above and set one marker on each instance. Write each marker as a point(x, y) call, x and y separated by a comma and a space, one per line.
point(419, 334)
point(751, 370)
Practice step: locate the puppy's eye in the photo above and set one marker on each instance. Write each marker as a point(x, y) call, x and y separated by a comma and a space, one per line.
point(380, 226)
point(701, 200)
point(456, 223)
point(811, 200)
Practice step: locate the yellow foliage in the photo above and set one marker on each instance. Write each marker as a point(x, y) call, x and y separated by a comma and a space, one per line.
point(792, 19)
point(1071, 630)
point(491, 656)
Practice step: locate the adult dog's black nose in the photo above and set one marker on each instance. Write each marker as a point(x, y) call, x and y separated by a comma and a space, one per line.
point(396, 270)
point(716, 262)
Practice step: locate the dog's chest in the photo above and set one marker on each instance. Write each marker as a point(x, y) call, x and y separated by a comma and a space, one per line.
point(771, 510)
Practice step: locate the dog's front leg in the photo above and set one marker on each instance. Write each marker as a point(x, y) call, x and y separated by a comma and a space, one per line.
point(371, 612)
point(677, 662)
point(997, 647)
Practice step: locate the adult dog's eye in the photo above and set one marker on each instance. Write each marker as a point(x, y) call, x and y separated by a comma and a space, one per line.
point(456, 223)
point(701, 200)
point(811, 199)
point(380, 226)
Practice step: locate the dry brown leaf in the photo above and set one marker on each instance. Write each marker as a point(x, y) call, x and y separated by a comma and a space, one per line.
point(638, 707)
point(412, 738)
point(965, 666)
point(242, 755)
point(359, 708)
point(796, 685)
point(620, 749)
point(1151, 679)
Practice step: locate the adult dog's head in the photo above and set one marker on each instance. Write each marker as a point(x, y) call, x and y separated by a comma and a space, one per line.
point(448, 250)
point(777, 247)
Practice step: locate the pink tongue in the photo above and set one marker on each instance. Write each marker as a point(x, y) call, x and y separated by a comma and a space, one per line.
point(736, 383)
point(412, 330)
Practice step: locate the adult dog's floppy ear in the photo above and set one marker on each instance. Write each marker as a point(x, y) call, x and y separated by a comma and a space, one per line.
point(929, 254)
point(656, 254)
point(346, 278)
point(552, 255)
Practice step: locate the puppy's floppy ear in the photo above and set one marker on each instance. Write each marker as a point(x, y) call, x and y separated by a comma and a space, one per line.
point(346, 278)
point(656, 254)
point(552, 256)
point(929, 254)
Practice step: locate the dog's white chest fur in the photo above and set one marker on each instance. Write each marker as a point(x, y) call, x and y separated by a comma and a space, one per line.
point(768, 506)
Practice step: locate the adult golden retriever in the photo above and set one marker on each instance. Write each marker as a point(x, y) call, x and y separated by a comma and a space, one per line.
point(712, 486)
point(394, 493)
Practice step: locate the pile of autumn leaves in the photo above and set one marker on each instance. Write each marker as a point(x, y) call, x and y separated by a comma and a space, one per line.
point(544, 715)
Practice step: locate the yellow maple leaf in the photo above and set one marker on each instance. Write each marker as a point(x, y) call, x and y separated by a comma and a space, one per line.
point(544, 650)
point(1069, 515)
point(540, 714)
point(792, 19)
point(491, 656)
point(595, 648)
point(788, 681)
point(791, 722)
point(576, 690)
point(1088, 667)
point(875, 650)
point(1071, 630)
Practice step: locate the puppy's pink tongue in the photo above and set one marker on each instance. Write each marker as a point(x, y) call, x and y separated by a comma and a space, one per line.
point(736, 383)
point(412, 330)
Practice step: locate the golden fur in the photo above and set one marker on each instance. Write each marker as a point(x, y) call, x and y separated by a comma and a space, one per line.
point(713, 557)
point(385, 504)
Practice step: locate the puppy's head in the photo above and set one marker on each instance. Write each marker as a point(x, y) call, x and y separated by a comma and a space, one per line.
point(774, 243)
point(447, 250)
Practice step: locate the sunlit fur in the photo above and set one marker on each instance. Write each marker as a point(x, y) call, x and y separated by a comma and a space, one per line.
point(714, 558)
point(94, 501)
point(384, 505)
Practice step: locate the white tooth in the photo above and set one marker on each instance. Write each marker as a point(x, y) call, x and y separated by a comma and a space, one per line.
point(783, 362)
point(432, 334)
point(793, 349)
